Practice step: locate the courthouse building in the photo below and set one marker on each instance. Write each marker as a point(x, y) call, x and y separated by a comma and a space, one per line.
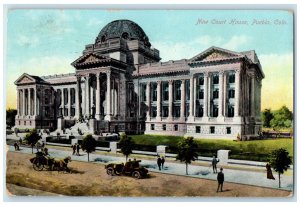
point(120, 84)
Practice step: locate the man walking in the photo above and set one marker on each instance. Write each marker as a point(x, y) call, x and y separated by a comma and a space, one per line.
point(220, 179)
point(159, 163)
point(214, 164)
point(78, 148)
point(162, 162)
point(74, 148)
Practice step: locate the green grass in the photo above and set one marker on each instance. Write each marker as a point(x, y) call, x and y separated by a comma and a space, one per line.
point(257, 150)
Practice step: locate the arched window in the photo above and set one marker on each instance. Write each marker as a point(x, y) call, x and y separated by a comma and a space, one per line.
point(125, 35)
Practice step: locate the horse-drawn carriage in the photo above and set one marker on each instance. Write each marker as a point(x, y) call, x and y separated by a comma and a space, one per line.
point(42, 161)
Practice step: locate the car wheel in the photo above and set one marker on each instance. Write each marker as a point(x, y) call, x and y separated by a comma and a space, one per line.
point(110, 171)
point(136, 175)
point(37, 166)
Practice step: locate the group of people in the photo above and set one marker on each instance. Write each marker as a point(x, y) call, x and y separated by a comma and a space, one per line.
point(160, 162)
point(76, 148)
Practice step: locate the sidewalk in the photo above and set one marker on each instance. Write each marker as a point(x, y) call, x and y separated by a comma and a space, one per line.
point(256, 178)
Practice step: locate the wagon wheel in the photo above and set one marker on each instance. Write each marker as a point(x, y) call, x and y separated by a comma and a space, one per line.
point(37, 165)
point(110, 171)
point(136, 174)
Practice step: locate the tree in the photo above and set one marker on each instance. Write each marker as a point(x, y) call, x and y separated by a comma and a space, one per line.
point(187, 151)
point(88, 145)
point(280, 161)
point(32, 138)
point(126, 145)
point(10, 117)
point(267, 116)
point(282, 118)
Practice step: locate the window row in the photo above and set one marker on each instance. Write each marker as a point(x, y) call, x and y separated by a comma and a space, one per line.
point(211, 130)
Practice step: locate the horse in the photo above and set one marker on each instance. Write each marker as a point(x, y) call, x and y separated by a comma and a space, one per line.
point(61, 165)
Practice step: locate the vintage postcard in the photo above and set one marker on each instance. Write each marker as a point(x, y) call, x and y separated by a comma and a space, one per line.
point(149, 103)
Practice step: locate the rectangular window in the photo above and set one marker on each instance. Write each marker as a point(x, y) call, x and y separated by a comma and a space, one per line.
point(187, 89)
point(176, 111)
point(177, 90)
point(216, 79)
point(201, 94)
point(216, 94)
point(215, 110)
point(231, 78)
point(164, 127)
point(201, 80)
point(176, 127)
point(230, 111)
point(152, 127)
point(154, 91)
point(198, 129)
point(231, 93)
point(228, 130)
point(165, 111)
point(212, 130)
point(153, 111)
point(143, 92)
point(165, 93)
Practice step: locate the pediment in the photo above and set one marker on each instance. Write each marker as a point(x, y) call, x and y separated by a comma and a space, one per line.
point(214, 53)
point(25, 79)
point(89, 58)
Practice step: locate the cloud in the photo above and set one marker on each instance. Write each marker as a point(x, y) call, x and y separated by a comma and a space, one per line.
point(186, 50)
point(27, 41)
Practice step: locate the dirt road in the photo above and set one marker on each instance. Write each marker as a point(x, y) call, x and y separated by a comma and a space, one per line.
point(90, 179)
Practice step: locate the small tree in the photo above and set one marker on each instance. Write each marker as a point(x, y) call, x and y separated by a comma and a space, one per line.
point(280, 161)
point(187, 151)
point(88, 145)
point(32, 138)
point(10, 117)
point(282, 119)
point(126, 145)
point(267, 116)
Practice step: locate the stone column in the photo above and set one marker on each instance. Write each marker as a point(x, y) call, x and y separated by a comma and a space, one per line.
point(63, 102)
point(208, 95)
point(18, 102)
point(88, 95)
point(237, 93)
point(108, 96)
point(69, 103)
point(225, 94)
point(221, 88)
point(98, 101)
point(158, 117)
point(195, 96)
point(35, 102)
point(29, 102)
point(205, 88)
point(170, 100)
point(191, 115)
point(78, 88)
point(23, 103)
point(182, 100)
point(148, 96)
point(253, 95)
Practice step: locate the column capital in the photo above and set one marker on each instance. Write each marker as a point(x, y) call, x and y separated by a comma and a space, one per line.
point(182, 81)
point(170, 81)
point(148, 83)
point(206, 74)
point(158, 81)
point(108, 73)
point(237, 70)
point(98, 74)
point(221, 72)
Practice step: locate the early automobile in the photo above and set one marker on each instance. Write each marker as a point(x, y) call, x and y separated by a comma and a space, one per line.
point(130, 168)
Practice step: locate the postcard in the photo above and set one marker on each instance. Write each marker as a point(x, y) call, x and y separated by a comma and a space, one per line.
point(149, 103)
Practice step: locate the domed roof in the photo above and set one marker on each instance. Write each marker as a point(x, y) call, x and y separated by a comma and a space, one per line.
point(122, 29)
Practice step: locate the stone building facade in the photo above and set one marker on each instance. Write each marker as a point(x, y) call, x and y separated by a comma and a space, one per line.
point(120, 84)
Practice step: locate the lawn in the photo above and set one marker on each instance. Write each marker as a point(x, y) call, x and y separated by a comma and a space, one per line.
point(257, 150)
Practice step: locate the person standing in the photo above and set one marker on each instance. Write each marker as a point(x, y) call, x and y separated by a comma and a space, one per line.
point(162, 162)
point(78, 148)
point(159, 163)
point(74, 148)
point(220, 179)
point(269, 172)
point(214, 164)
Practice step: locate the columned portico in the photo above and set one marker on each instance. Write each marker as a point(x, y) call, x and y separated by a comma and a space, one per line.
point(108, 96)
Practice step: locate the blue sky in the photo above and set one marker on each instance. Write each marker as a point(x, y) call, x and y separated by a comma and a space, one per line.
point(44, 42)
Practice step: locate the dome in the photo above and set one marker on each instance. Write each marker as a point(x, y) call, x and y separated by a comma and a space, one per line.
point(125, 29)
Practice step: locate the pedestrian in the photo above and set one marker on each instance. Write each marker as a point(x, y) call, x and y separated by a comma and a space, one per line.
point(16, 146)
point(162, 162)
point(74, 148)
point(214, 163)
point(159, 163)
point(269, 172)
point(43, 144)
point(220, 179)
point(78, 148)
point(20, 140)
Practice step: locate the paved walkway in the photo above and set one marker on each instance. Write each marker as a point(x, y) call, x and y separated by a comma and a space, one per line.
point(231, 175)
